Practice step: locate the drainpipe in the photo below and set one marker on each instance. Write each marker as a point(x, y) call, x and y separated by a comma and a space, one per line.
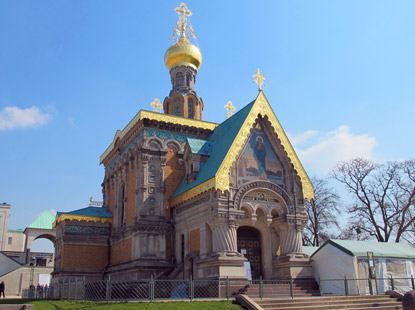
point(108, 253)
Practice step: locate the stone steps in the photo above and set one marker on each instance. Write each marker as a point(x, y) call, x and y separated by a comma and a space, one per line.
point(380, 302)
point(304, 288)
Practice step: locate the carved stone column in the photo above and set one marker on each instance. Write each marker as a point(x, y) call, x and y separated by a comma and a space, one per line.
point(105, 190)
point(123, 197)
point(138, 182)
point(224, 261)
point(144, 179)
point(162, 188)
point(224, 237)
point(291, 262)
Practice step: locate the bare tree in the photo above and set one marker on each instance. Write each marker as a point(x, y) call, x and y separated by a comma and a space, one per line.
point(322, 212)
point(384, 196)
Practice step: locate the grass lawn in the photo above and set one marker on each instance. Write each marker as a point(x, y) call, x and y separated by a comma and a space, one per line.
point(91, 305)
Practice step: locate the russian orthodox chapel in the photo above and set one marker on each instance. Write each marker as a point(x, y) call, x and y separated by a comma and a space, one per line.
point(186, 197)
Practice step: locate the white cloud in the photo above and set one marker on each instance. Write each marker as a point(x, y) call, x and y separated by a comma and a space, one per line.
point(324, 150)
point(71, 120)
point(302, 137)
point(14, 117)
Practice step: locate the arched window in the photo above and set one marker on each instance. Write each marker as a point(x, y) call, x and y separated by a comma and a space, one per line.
point(190, 107)
point(179, 79)
point(177, 110)
point(188, 79)
point(121, 205)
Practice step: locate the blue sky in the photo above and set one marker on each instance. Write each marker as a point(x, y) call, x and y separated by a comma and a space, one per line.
point(340, 77)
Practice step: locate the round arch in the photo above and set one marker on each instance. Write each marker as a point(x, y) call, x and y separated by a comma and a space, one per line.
point(280, 194)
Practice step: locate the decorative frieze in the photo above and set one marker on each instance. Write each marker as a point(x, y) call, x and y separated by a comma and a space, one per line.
point(87, 230)
point(193, 204)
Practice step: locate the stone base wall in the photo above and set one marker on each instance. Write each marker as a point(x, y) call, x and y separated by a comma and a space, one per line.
point(221, 266)
point(293, 266)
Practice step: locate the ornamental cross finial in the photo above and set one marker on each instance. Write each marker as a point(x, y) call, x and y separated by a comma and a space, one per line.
point(259, 79)
point(183, 28)
point(156, 105)
point(95, 203)
point(230, 109)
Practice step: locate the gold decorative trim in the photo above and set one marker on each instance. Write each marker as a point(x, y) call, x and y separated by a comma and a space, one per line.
point(86, 218)
point(221, 179)
point(261, 107)
point(193, 192)
point(142, 114)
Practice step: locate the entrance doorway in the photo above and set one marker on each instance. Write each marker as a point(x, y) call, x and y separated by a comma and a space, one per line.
point(249, 243)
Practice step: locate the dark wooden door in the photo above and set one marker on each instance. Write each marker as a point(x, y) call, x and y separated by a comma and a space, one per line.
point(249, 239)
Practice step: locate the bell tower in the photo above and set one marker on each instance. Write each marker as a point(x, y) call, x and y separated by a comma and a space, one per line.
point(183, 59)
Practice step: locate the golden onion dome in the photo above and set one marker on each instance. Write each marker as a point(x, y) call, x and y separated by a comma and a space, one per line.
point(183, 53)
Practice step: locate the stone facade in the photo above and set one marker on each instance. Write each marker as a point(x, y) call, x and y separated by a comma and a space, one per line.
point(151, 234)
point(194, 198)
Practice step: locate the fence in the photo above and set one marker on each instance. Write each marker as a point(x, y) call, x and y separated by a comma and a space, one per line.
point(149, 290)
point(365, 286)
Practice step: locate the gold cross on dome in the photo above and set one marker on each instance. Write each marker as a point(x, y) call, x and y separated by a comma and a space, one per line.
point(259, 79)
point(157, 106)
point(230, 109)
point(183, 21)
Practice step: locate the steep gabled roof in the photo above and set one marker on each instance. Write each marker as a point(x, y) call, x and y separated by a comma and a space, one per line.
point(200, 146)
point(44, 221)
point(379, 249)
point(221, 140)
point(227, 141)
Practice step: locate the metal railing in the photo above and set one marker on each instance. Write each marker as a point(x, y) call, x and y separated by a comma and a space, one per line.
point(149, 290)
point(365, 286)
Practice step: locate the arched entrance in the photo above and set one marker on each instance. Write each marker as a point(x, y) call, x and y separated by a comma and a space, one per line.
point(249, 243)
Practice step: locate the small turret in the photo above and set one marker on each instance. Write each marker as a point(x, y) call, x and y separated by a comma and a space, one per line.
point(183, 59)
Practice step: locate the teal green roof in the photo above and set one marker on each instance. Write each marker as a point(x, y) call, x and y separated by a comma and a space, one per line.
point(199, 146)
point(19, 229)
point(44, 221)
point(221, 140)
point(379, 249)
point(89, 211)
point(309, 250)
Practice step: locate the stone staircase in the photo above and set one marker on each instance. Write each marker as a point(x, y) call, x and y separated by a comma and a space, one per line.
point(379, 302)
point(300, 288)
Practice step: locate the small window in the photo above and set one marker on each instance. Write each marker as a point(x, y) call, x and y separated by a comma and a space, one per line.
point(190, 107)
point(152, 178)
point(152, 200)
point(177, 110)
point(179, 79)
point(188, 80)
point(10, 240)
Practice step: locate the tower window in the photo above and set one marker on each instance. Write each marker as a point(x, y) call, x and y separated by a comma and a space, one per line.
point(190, 107)
point(188, 80)
point(177, 111)
point(10, 240)
point(179, 79)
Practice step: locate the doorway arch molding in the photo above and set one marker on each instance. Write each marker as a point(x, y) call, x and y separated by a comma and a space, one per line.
point(258, 185)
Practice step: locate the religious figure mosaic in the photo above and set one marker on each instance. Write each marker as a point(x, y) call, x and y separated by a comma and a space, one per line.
point(259, 161)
